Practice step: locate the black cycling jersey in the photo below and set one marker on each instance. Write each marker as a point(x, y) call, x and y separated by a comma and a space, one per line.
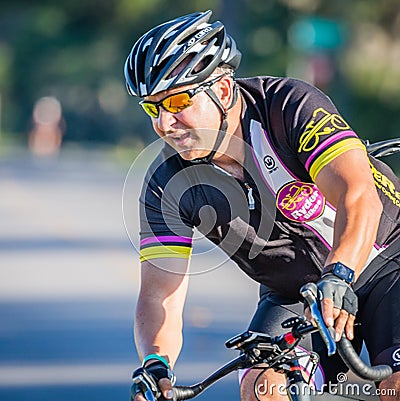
point(276, 224)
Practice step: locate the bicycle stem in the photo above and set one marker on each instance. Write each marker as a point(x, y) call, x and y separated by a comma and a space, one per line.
point(188, 392)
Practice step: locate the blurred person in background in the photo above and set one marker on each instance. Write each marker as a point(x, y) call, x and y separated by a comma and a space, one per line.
point(45, 138)
point(316, 206)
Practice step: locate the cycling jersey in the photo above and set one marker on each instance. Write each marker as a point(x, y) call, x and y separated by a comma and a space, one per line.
point(292, 130)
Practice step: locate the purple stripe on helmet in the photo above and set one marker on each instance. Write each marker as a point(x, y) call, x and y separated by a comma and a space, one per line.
point(325, 144)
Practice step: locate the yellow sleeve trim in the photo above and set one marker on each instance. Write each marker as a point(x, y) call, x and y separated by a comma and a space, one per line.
point(173, 251)
point(332, 153)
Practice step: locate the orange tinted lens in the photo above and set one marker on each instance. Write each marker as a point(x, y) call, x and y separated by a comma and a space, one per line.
point(176, 103)
point(150, 109)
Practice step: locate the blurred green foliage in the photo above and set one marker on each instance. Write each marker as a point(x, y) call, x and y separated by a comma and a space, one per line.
point(75, 51)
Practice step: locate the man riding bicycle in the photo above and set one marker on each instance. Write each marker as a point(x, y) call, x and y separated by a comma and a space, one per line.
point(267, 169)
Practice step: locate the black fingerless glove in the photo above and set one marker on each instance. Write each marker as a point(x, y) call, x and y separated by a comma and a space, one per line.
point(342, 294)
point(145, 380)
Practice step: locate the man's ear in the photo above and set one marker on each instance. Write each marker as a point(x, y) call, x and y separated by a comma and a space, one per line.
point(225, 91)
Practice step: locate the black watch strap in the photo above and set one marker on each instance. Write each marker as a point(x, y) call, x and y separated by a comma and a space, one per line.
point(340, 270)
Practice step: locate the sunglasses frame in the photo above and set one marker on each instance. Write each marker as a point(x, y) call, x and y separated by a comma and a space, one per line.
point(191, 92)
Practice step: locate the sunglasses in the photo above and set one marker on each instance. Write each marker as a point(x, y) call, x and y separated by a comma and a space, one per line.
point(178, 101)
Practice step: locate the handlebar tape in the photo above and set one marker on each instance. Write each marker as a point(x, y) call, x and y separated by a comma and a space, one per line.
point(184, 393)
point(356, 364)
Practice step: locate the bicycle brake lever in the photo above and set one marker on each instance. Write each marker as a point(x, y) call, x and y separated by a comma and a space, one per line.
point(309, 292)
point(150, 390)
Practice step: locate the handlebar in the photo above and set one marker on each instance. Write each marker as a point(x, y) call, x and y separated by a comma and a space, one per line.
point(383, 148)
point(357, 365)
point(345, 348)
point(274, 352)
point(188, 392)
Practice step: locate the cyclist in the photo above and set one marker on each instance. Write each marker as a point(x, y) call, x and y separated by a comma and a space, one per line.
point(317, 206)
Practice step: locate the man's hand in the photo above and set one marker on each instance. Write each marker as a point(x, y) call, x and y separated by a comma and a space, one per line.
point(154, 382)
point(339, 305)
point(165, 386)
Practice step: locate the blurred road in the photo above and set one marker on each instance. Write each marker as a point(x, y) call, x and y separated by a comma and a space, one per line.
point(69, 282)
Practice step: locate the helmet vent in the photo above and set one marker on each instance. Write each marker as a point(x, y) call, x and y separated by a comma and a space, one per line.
point(203, 64)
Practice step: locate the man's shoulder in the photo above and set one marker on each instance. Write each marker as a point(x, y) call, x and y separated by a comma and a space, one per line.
point(273, 85)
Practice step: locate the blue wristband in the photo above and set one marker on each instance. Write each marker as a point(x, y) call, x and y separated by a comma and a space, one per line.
point(339, 270)
point(155, 356)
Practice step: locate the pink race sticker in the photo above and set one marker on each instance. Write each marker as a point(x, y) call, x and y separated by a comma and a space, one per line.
point(300, 201)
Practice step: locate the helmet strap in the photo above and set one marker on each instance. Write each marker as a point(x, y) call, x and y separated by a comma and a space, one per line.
point(222, 128)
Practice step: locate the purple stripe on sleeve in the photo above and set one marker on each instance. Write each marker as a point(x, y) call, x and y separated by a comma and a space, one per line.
point(165, 238)
point(325, 144)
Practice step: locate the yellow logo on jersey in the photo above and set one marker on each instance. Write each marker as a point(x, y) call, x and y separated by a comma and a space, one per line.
point(322, 123)
point(385, 185)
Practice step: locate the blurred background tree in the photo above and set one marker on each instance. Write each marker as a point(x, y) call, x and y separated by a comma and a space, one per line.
point(74, 51)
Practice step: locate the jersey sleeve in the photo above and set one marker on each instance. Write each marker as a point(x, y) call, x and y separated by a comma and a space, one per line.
point(318, 133)
point(164, 231)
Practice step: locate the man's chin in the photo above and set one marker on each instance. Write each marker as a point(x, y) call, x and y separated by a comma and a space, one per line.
point(192, 154)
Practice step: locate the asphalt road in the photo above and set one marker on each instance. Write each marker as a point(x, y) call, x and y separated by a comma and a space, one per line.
point(69, 282)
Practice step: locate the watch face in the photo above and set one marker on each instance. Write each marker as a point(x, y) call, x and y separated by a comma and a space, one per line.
point(343, 272)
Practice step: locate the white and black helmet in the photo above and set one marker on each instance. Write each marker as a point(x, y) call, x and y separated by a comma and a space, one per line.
point(160, 51)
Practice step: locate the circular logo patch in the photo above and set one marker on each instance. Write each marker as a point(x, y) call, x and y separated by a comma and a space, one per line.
point(269, 162)
point(396, 355)
point(300, 201)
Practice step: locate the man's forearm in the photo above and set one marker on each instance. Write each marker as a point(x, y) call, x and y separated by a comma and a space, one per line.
point(356, 228)
point(158, 331)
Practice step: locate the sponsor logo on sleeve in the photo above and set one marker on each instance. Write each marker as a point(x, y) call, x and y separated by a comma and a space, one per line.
point(300, 201)
point(322, 123)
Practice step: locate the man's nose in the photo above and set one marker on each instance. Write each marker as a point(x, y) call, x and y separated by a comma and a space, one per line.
point(166, 120)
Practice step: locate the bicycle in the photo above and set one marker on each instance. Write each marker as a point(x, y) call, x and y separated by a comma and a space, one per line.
point(383, 148)
point(277, 353)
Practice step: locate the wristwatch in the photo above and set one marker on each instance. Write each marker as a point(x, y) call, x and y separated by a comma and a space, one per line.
point(340, 270)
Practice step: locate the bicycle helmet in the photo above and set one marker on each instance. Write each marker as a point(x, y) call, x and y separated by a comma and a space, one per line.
point(190, 39)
